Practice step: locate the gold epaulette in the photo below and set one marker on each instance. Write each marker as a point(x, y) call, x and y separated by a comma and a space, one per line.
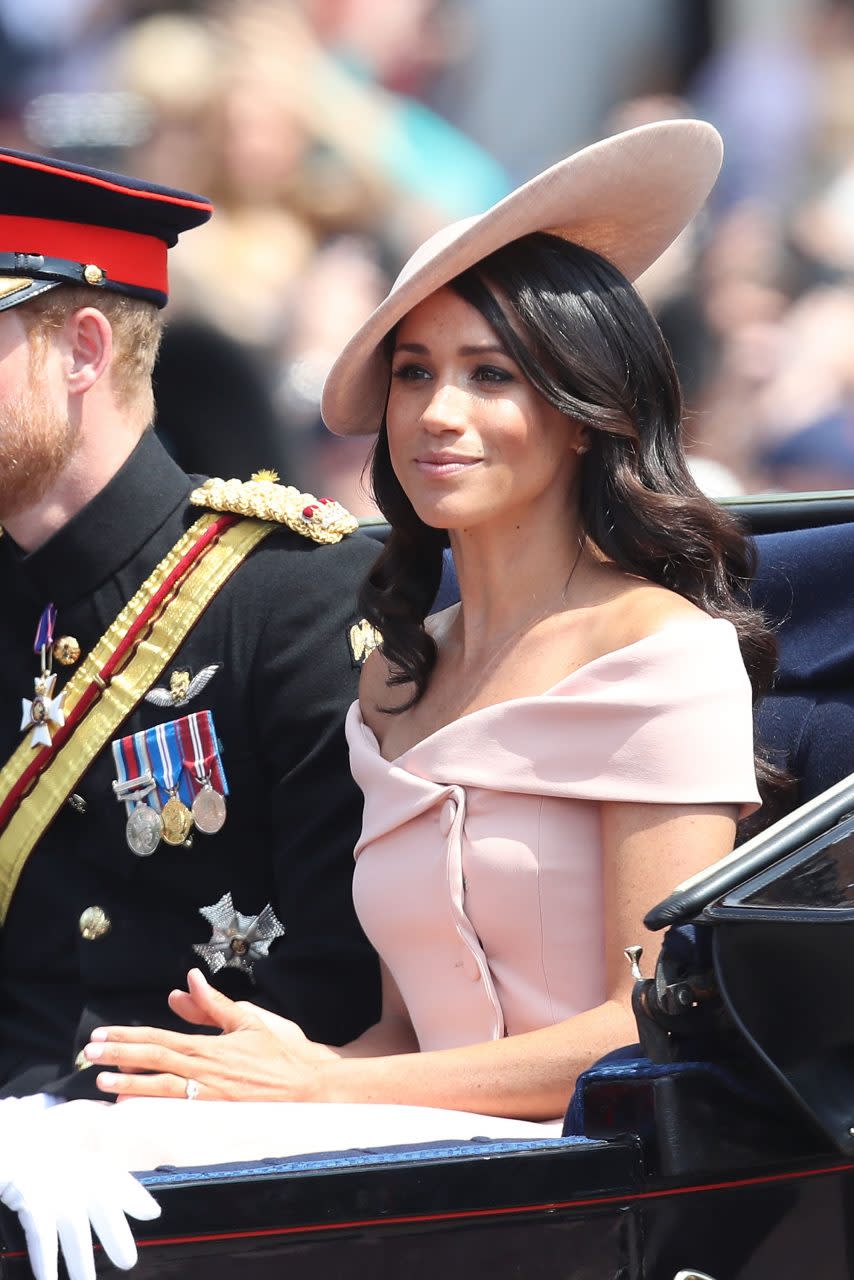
point(321, 519)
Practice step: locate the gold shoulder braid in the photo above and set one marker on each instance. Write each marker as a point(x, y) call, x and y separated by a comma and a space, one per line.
point(321, 519)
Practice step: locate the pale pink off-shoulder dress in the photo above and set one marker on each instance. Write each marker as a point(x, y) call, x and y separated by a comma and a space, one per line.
point(479, 880)
point(479, 868)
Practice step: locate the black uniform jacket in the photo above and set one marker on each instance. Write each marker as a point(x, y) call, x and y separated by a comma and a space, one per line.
point(279, 632)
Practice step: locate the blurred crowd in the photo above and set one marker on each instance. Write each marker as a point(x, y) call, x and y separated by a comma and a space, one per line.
point(334, 135)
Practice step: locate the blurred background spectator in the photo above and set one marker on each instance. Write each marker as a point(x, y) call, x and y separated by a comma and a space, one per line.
point(334, 135)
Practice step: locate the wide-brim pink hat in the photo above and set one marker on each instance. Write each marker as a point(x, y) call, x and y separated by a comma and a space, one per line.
point(627, 197)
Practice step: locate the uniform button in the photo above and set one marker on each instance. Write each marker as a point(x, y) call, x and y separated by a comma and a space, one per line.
point(446, 817)
point(66, 650)
point(94, 923)
point(81, 1062)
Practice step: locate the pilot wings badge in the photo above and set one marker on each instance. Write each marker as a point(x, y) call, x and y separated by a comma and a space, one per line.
point(183, 686)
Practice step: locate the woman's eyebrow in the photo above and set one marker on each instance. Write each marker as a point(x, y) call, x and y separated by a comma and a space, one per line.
point(482, 349)
point(418, 348)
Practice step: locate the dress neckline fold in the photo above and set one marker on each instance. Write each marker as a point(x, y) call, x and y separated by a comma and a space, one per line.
point(587, 668)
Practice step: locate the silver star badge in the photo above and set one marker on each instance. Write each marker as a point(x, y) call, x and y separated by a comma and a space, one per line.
point(237, 940)
point(42, 711)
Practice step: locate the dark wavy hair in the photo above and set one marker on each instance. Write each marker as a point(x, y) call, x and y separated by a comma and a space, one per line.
point(587, 343)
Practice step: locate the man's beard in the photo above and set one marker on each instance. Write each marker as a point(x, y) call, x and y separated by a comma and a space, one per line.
point(36, 443)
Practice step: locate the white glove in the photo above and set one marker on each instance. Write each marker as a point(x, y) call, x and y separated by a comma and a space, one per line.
point(57, 1191)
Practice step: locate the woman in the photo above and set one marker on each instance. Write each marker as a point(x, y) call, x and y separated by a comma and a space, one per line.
point(546, 759)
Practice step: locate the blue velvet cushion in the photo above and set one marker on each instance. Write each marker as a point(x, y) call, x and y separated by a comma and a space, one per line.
point(804, 586)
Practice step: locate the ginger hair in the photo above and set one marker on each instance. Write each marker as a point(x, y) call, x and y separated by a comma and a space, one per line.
point(137, 328)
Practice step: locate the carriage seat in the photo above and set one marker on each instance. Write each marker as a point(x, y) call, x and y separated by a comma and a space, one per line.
point(804, 585)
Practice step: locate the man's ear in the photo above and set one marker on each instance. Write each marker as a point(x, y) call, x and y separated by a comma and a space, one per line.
point(89, 337)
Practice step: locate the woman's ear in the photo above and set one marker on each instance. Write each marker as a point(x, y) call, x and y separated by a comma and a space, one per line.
point(90, 348)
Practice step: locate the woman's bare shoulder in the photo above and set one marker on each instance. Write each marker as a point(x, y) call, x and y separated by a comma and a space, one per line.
point(639, 609)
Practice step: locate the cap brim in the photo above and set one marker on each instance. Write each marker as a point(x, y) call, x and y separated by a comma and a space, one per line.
point(17, 289)
point(627, 198)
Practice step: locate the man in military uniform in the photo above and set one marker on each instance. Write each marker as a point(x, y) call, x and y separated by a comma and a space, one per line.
point(175, 663)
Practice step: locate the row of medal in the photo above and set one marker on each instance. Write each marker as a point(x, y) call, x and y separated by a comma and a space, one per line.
point(170, 779)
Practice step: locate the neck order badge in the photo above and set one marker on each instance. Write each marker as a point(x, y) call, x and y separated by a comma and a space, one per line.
point(44, 709)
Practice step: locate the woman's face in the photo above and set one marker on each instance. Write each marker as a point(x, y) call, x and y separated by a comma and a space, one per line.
point(470, 439)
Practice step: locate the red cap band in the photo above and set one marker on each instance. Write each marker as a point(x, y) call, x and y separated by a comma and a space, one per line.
point(125, 257)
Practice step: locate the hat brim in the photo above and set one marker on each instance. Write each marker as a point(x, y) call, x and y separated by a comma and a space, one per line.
point(17, 289)
point(627, 198)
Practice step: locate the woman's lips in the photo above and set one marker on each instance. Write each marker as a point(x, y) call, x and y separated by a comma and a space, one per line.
point(444, 464)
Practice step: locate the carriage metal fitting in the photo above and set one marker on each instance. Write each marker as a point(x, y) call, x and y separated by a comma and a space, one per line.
point(633, 955)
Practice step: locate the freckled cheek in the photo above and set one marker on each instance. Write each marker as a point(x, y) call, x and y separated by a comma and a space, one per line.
point(398, 452)
point(399, 428)
point(507, 438)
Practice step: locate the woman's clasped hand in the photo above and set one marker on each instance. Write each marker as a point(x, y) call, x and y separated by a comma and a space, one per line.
point(257, 1055)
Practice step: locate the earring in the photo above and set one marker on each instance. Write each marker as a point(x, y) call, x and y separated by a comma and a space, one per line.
point(581, 449)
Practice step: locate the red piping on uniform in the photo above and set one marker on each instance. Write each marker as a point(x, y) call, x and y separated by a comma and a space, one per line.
point(93, 690)
point(126, 257)
point(95, 181)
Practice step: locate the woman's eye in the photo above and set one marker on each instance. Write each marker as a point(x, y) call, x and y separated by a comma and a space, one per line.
point(491, 373)
point(410, 372)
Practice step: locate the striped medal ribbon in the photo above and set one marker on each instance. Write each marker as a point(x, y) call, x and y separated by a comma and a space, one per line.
point(136, 789)
point(203, 766)
point(167, 767)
